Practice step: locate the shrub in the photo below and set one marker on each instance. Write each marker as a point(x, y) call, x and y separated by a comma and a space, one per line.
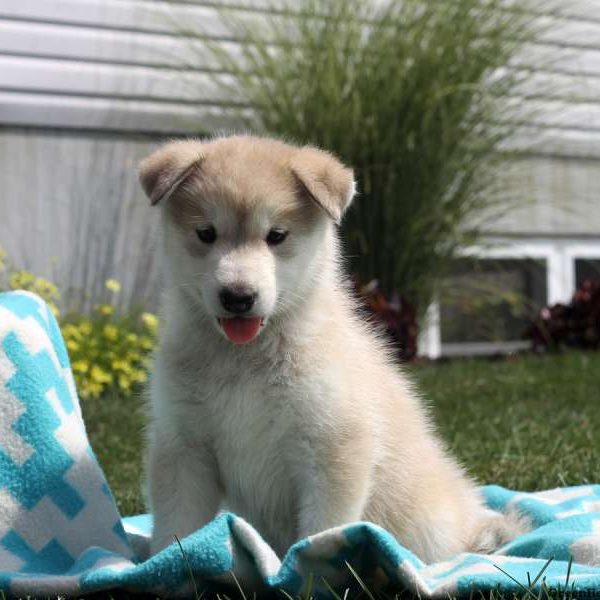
point(413, 94)
point(576, 324)
point(107, 350)
point(395, 316)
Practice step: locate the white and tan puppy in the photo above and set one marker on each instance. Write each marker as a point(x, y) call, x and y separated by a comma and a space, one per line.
point(269, 395)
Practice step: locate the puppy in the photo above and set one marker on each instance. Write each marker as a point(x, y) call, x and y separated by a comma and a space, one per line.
point(269, 396)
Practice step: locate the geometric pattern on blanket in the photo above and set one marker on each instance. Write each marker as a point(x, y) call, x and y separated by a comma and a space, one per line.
point(60, 531)
point(55, 504)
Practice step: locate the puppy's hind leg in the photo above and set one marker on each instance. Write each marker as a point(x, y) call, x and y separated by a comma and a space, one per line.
point(183, 487)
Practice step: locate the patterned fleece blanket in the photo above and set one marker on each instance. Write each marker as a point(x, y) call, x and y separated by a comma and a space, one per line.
point(61, 533)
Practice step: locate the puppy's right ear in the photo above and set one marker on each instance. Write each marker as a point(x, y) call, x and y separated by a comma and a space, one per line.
point(165, 170)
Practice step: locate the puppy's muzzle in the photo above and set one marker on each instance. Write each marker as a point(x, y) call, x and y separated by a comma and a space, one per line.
point(237, 302)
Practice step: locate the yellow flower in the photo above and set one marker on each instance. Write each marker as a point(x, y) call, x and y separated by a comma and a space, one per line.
point(72, 345)
point(91, 389)
point(132, 338)
point(124, 382)
point(113, 285)
point(133, 356)
point(139, 376)
point(106, 310)
point(45, 288)
point(110, 332)
point(120, 365)
point(150, 321)
point(81, 366)
point(100, 376)
point(146, 343)
point(69, 331)
point(21, 279)
point(85, 327)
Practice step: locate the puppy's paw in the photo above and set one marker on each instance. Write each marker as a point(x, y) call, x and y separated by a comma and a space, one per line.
point(494, 530)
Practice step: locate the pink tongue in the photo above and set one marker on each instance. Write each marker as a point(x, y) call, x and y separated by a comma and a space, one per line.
point(240, 330)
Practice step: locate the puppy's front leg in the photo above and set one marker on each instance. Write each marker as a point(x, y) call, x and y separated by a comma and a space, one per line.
point(336, 488)
point(184, 490)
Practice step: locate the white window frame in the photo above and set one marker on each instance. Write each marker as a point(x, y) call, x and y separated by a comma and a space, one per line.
point(560, 256)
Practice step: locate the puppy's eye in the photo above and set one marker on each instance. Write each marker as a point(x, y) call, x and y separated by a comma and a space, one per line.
point(276, 236)
point(208, 235)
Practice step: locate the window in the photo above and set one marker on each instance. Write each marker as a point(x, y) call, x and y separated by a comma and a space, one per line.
point(486, 304)
point(586, 268)
point(491, 300)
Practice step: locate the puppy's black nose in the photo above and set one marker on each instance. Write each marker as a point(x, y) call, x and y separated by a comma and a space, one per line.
point(237, 302)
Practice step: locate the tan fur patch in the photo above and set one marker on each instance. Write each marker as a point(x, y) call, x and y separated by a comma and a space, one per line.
point(246, 172)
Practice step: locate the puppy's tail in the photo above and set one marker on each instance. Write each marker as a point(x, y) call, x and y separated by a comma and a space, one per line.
point(494, 530)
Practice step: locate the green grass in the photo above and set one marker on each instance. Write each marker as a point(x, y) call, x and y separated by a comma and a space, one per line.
point(115, 427)
point(531, 422)
point(527, 422)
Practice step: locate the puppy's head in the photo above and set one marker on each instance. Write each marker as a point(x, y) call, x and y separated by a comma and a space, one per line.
point(249, 224)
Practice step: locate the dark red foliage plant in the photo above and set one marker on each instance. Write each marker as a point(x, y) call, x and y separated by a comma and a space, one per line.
point(395, 315)
point(575, 325)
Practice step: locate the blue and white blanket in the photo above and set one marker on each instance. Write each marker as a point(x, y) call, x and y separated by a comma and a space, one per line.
point(61, 533)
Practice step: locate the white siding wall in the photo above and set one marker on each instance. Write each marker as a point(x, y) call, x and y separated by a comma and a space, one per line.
point(553, 196)
point(81, 79)
point(72, 210)
point(121, 64)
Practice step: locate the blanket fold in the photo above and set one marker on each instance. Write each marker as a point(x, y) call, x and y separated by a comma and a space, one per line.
point(61, 533)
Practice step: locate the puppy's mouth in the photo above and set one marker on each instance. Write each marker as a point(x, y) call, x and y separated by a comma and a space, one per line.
point(241, 330)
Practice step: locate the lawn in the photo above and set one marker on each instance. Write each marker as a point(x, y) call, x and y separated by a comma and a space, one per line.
point(527, 422)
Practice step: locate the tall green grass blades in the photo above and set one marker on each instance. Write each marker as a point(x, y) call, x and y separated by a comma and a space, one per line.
point(331, 591)
point(197, 595)
point(308, 588)
point(238, 586)
point(362, 584)
point(568, 578)
point(542, 571)
point(526, 590)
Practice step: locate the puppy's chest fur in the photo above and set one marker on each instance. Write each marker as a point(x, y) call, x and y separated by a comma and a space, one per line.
point(261, 420)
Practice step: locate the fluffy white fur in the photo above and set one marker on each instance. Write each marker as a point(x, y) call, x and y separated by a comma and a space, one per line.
point(311, 424)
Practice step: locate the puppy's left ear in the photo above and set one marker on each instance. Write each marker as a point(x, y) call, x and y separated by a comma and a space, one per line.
point(324, 179)
point(165, 170)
